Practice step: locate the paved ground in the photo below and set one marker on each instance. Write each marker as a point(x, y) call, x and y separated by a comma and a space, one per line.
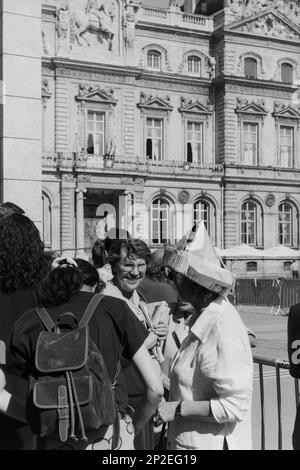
point(271, 342)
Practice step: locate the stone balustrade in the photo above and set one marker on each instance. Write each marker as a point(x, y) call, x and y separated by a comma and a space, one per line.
point(138, 166)
point(175, 18)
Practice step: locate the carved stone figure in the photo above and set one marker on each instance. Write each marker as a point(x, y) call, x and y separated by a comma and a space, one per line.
point(45, 45)
point(176, 4)
point(98, 16)
point(270, 26)
point(211, 65)
point(244, 8)
point(128, 22)
point(63, 26)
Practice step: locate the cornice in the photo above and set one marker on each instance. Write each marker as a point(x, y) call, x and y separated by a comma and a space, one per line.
point(253, 83)
point(136, 72)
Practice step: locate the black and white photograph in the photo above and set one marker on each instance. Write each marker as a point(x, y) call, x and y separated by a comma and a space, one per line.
point(149, 227)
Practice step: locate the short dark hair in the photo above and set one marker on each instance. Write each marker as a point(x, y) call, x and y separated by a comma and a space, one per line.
point(130, 247)
point(60, 284)
point(89, 273)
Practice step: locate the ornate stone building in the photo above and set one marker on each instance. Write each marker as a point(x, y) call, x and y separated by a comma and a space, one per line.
point(153, 115)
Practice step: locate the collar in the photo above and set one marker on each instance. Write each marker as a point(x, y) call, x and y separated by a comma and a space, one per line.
point(208, 319)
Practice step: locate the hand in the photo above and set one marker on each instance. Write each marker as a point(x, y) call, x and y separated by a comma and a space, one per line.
point(161, 330)
point(151, 340)
point(166, 412)
point(2, 380)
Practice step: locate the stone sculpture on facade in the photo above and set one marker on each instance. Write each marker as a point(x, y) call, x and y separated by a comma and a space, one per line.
point(270, 26)
point(244, 8)
point(63, 27)
point(129, 22)
point(98, 17)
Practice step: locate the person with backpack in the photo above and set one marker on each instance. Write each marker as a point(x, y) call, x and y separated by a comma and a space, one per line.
point(70, 351)
point(23, 265)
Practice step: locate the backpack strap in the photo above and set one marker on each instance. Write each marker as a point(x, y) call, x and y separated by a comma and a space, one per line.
point(45, 318)
point(116, 424)
point(90, 309)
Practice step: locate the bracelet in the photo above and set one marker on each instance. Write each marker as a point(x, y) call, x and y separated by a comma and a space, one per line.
point(178, 409)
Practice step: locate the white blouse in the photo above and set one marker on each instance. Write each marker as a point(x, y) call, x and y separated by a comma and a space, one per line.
point(214, 363)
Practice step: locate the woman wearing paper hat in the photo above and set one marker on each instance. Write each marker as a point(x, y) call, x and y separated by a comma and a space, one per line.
point(211, 375)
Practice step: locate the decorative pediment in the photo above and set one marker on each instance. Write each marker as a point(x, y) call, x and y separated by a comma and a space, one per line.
point(246, 106)
point(96, 95)
point(286, 112)
point(194, 107)
point(148, 101)
point(246, 8)
point(270, 23)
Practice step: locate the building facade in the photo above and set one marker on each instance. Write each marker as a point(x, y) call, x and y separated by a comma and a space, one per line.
point(152, 117)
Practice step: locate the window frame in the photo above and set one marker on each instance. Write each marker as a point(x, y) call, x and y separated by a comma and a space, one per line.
point(281, 126)
point(255, 222)
point(194, 58)
point(187, 141)
point(292, 70)
point(290, 223)
point(160, 239)
point(104, 136)
point(253, 59)
point(162, 142)
point(154, 53)
point(257, 156)
point(254, 264)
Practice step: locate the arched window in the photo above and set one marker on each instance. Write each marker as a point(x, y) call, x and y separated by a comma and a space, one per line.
point(251, 223)
point(154, 60)
point(250, 67)
point(194, 65)
point(160, 221)
point(205, 210)
point(287, 224)
point(202, 212)
point(251, 266)
point(47, 221)
point(287, 73)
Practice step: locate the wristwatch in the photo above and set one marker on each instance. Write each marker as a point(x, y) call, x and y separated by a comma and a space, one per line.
point(178, 409)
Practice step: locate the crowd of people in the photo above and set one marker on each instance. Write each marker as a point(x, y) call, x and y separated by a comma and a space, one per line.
point(176, 350)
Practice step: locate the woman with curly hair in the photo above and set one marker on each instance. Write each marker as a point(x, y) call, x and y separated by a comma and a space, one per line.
point(22, 268)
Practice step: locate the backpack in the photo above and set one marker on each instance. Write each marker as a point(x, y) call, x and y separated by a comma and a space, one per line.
point(71, 388)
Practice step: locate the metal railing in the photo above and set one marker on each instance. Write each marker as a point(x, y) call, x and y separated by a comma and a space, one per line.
point(278, 365)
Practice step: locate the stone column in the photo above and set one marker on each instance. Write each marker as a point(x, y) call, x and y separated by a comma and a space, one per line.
point(139, 213)
point(68, 215)
point(80, 221)
point(21, 109)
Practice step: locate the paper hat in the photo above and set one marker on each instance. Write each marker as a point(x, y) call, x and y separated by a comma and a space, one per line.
point(195, 257)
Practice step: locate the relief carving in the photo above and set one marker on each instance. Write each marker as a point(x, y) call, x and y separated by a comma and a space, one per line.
point(269, 25)
point(242, 103)
point(244, 8)
point(63, 27)
point(97, 17)
point(129, 22)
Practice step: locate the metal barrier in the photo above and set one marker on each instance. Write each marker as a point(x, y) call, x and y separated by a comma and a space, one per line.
point(277, 364)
